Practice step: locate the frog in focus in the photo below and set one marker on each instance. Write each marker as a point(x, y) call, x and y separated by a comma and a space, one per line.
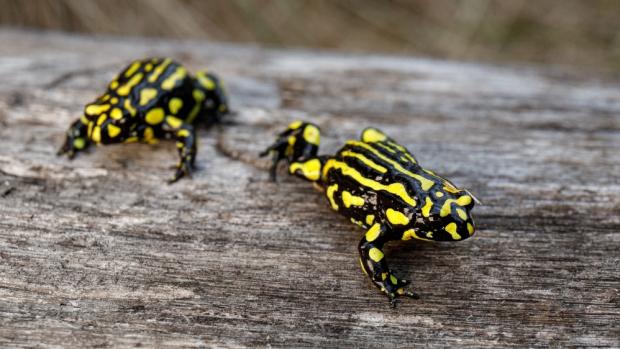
point(149, 100)
point(378, 185)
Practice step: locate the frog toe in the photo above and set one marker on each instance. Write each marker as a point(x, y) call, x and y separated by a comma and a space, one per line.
point(184, 169)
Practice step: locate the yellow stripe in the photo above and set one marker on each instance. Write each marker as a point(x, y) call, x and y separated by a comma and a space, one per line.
point(411, 234)
point(160, 69)
point(132, 69)
point(425, 183)
point(373, 233)
point(426, 210)
point(386, 147)
point(199, 96)
point(330, 195)
point(125, 89)
point(402, 149)
point(397, 189)
point(365, 160)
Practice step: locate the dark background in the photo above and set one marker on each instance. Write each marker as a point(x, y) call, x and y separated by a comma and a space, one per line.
point(583, 34)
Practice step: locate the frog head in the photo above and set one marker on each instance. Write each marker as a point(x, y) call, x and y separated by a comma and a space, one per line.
point(452, 219)
point(211, 91)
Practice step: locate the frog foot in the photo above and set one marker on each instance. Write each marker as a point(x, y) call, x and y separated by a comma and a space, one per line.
point(394, 287)
point(184, 169)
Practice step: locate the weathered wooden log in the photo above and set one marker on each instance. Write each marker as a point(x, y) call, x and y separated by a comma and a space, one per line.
point(100, 252)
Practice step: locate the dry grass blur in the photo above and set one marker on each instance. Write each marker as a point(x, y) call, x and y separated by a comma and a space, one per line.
point(580, 33)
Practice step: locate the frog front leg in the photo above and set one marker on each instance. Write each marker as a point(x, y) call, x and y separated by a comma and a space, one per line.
point(186, 142)
point(76, 138)
point(298, 145)
point(374, 264)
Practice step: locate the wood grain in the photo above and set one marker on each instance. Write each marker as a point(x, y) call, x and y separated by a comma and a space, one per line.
point(99, 252)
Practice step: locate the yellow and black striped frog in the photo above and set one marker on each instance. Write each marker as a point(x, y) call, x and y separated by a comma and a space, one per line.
point(379, 185)
point(151, 99)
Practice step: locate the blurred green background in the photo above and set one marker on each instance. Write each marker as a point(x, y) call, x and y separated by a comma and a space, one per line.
point(584, 33)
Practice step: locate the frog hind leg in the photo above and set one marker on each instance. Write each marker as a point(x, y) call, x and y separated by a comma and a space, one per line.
point(298, 145)
point(375, 266)
point(76, 139)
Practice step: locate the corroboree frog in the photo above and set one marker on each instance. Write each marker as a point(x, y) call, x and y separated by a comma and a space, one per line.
point(151, 99)
point(379, 185)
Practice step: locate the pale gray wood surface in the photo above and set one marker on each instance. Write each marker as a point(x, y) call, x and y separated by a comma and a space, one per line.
point(98, 252)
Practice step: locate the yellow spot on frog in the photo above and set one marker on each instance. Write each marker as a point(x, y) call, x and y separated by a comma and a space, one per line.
point(426, 209)
point(148, 67)
point(79, 143)
point(105, 97)
point(174, 122)
point(470, 229)
point(96, 136)
point(438, 194)
point(445, 208)
point(451, 229)
point(429, 234)
point(461, 214)
point(175, 105)
point(129, 107)
point(205, 81)
point(370, 219)
point(125, 89)
point(396, 217)
point(373, 233)
point(310, 169)
point(96, 109)
point(330, 195)
point(148, 135)
point(113, 131)
point(102, 118)
point(183, 133)
point(312, 135)
point(132, 69)
point(411, 234)
point(113, 85)
point(295, 125)
point(384, 276)
point(116, 114)
point(114, 100)
point(393, 279)
point(351, 200)
point(291, 140)
point(155, 116)
point(375, 254)
point(84, 120)
point(180, 144)
point(372, 135)
point(131, 140)
point(464, 200)
point(147, 95)
point(171, 81)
